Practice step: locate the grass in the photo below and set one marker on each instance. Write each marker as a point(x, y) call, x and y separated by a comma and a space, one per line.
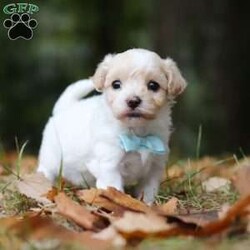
point(59, 180)
point(192, 197)
point(187, 187)
point(20, 156)
point(18, 162)
point(16, 203)
point(198, 146)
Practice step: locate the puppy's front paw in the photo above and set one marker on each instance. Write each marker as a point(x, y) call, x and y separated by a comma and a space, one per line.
point(149, 199)
point(110, 181)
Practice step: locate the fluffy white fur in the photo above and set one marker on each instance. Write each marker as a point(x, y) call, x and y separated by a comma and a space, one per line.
point(83, 134)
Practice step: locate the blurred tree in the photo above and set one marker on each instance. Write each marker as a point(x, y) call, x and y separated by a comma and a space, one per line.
point(208, 39)
point(234, 74)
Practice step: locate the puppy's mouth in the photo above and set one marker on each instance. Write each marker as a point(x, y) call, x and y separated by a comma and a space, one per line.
point(138, 115)
point(134, 115)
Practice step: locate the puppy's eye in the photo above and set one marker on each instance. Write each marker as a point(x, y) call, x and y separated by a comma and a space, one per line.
point(153, 86)
point(116, 84)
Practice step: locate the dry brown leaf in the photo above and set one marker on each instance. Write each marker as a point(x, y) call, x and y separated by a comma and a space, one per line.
point(125, 200)
point(223, 211)
point(111, 234)
point(216, 183)
point(216, 226)
point(140, 225)
point(238, 210)
point(39, 228)
point(112, 200)
point(93, 197)
point(35, 186)
point(169, 208)
point(52, 193)
point(88, 240)
point(31, 225)
point(242, 180)
point(80, 215)
point(194, 220)
point(173, 172)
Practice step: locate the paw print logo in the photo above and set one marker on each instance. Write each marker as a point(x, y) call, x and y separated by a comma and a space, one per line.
point(20, 26)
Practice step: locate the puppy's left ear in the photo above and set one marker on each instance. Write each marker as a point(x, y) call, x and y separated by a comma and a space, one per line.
point(176, 82)
point(101, 72)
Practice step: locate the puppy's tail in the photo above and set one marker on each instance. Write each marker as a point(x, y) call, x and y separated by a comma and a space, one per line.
point(72, 94)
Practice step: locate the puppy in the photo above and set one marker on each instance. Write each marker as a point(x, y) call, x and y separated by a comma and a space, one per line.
point(120, 137)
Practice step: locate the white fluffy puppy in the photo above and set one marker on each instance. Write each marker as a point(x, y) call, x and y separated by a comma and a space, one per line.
point(120, 137)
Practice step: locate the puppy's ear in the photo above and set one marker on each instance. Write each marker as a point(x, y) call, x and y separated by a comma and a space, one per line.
point(101, 72)
point(176, 82)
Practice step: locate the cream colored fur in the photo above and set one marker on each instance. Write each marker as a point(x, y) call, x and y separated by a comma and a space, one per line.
point(83, 134)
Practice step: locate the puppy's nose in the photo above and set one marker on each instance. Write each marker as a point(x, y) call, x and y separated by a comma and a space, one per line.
point(134, 102)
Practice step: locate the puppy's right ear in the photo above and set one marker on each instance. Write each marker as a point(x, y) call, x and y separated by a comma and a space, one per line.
point(101, 72)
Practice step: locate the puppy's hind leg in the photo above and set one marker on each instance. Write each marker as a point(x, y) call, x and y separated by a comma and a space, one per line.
point(50, 155)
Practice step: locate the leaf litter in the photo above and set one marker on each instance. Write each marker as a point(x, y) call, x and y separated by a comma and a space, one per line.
point(109, 218)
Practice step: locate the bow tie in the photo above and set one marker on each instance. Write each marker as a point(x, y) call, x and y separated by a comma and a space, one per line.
point(135, 143)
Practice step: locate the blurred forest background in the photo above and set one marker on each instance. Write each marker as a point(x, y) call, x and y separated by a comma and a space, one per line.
point(208, 39)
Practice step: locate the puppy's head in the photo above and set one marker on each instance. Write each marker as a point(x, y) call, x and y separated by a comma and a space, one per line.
point(137, 84)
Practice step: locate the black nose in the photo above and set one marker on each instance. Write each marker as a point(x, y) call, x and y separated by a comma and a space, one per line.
point(134, 102)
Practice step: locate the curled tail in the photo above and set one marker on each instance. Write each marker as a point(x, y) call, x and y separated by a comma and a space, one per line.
point(72, 94)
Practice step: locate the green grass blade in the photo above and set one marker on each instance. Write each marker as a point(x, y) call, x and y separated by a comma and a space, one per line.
point(59, 178)
point(242, 153)
point(198, 145)
point(10, 171)
point(19, 159)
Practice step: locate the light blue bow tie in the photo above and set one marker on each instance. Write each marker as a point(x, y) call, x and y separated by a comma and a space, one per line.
point(135, 143)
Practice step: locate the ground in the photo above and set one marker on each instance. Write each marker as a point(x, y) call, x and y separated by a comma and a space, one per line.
point(202, 203)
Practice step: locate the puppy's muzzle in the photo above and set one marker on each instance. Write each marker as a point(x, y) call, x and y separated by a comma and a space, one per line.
point(134, 102)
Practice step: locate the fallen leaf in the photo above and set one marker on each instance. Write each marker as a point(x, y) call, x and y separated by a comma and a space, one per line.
point(93, 197)
point(35, 186)
point(174, 171)
point(111, 234)
point(238, 210)
point(168, 208)
point(194, 220)
point(52, 193)
point(216, 226)
point(140, 225)
point(112, 200)
point(39, 228)
point(223, 210)
point(125, 200)
point(31, 225)
point(215, 184)
point(77, 213)
point(242, 179)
